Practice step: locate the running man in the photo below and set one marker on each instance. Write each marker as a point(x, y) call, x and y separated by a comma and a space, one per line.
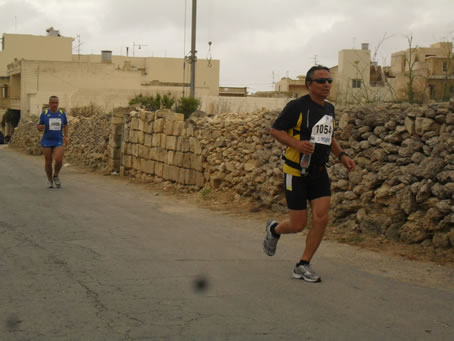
point(55, 126)
point(307, 118)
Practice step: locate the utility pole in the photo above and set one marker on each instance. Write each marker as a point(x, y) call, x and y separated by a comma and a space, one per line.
point(193, 50)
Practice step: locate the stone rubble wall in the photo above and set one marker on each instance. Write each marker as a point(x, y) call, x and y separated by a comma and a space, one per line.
point(402, 188)
point(88, 139)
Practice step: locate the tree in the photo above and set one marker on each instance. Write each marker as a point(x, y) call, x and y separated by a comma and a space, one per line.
point(410, 60)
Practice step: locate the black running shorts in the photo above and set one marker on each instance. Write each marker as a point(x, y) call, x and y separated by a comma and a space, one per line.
point(300, 189)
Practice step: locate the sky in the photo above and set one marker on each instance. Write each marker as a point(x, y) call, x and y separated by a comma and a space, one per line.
point(257, 41)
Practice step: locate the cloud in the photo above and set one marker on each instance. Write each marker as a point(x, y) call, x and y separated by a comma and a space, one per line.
point(253, 39)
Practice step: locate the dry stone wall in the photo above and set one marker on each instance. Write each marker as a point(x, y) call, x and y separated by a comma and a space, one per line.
point(402, 188)
point(89, 136)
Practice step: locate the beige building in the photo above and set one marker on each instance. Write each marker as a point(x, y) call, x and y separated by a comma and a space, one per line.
point(292, 87)
point(32, 68)
point(432, 68)
point(357, 79)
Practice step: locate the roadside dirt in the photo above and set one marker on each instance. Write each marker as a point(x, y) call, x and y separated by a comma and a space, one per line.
point(226, 203)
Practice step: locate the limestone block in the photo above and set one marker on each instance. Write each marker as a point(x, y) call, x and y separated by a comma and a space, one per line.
point(129, 148)
point(178, 159)
point(423, 124)
point(198, 178)
point(134, 123)
point(156, 140)
point(196, 162)
point(171, 142)
point(182, 175)
point(250, 165)
point(166, 172)
point(345, 118)
point(140, 137)
point(410, 125)
point(158, 126)
point(163, 140)
point(195, 146)
point(185, 146)
point(148, 166)
point(153, 154)
point(148, 140)
point(149, 128)
point(450, 118)
point(170, 157)
point(188, 130)
point(187, 160)
point(140, 125)
point(168, 127)
point(162, 155)
point(143, 151)
point(158, 169)
point(178, 127)
point(133, 136)
point(174, 173)
point(178, 117)
point(135, 150)
point(136, 163)
point(127, 161)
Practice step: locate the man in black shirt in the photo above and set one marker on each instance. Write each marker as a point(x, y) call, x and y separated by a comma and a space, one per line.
point(306, 126)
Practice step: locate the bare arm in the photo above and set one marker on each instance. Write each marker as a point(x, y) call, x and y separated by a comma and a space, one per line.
point(346, 161)
point(65, 135)
point(302, 146)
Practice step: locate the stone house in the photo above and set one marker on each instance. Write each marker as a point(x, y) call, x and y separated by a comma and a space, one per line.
point(432, 68)
point(32, 68)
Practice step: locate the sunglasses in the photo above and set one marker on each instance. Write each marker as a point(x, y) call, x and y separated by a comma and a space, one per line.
point(322, 80)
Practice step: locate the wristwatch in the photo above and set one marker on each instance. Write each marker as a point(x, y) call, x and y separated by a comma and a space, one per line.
point(341, 154)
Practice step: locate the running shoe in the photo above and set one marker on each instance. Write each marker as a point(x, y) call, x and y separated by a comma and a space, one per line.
point(50, 184)
point(57, 181)
point(306, 273)
point(270, 242)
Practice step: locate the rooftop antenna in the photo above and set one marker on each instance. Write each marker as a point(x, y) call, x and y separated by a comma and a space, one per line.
point(78, 46)
point(134, 47)
point(315, 59)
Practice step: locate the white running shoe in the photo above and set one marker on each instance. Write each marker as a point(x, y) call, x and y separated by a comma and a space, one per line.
point(57, 181)
point(306, 273)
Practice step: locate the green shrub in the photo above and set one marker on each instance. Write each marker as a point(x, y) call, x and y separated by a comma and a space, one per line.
point(187, 105)
point(11, 116)
point(153, 103)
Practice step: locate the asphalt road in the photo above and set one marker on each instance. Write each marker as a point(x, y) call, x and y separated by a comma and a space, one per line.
point(104, 259)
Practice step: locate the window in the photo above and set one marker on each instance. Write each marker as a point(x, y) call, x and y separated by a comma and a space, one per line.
point(356, 83)
point(5, 91)
point(445, 66)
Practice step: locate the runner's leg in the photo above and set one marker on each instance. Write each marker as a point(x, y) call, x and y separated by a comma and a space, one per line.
point(320, 207)
point(58, 154)
point(48, 162)
point(294, 224)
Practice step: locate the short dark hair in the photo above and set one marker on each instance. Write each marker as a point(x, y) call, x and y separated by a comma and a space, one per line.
point(310, 73)
point(53, 97)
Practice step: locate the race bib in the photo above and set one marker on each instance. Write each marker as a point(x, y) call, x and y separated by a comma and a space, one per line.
point(54, 123)
point(322, 132)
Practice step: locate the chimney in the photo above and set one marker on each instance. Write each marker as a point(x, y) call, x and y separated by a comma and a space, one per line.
point(106, 56)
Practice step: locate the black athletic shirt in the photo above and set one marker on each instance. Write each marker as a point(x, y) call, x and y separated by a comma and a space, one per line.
point(288, 119)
